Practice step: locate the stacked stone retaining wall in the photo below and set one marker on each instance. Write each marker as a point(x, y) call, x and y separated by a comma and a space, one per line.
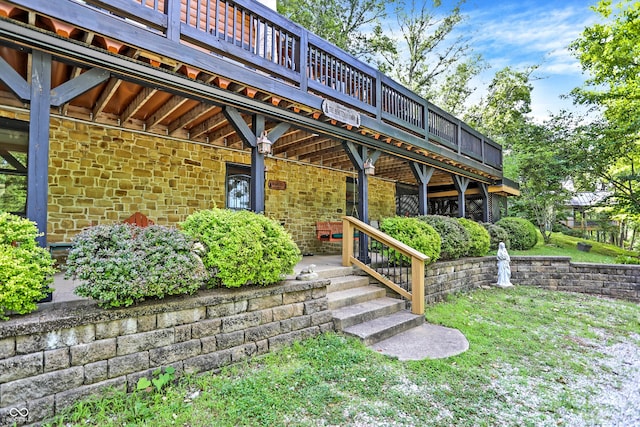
point(555, 273)
point(53, 357)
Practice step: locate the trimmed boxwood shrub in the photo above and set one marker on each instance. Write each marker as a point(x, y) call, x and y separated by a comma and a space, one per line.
point(414, 233)
point(26, 269)
point(479, 237)
point(455, 238)
point(242, 247)
point(497, 234)
point(523, 235)
point(121, 264)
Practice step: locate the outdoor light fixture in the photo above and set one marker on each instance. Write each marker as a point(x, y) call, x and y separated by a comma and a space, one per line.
point(369, 169)
point(263, 143)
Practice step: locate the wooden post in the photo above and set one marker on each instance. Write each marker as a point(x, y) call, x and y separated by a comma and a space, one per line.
point(417, 286)
point(38, 152)
point(347, 241)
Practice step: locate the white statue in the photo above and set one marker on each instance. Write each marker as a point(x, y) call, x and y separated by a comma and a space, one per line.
point(504, 269)
point(308, 273)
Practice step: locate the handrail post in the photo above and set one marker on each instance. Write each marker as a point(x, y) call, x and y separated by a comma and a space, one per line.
point(347, 242)
point(417, 286)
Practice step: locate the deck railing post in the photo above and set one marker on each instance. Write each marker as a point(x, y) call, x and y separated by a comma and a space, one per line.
point(417, 286)
point(347, 242)
point(172, 9)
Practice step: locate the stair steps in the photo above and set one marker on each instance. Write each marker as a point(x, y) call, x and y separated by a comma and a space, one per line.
point(365, 311)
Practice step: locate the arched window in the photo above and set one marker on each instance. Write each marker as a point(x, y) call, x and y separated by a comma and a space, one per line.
point(238, 187)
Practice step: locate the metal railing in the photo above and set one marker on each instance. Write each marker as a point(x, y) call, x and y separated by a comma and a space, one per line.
point(251, 34)
point(391, 262)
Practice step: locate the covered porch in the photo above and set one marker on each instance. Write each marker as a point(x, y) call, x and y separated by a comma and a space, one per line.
point(169, 107)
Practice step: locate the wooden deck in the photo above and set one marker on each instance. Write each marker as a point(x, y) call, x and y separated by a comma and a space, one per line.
point(174, 67)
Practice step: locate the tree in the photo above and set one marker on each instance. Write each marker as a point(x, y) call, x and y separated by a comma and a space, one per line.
point(502, 113)
point(609, 52)
point(352, 25)
point(542, 167)
point(426, 59)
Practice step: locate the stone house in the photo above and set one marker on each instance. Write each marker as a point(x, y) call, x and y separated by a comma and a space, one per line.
point(169, 106)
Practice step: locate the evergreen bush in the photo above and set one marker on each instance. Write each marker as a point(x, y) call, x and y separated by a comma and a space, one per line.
point(414, 233)
point(479, 237)
point(121, 264)
point(523, 235)
point(26, 269)
point(455, 238)
point(497, 234)
point(242, 247)
point(626, 259)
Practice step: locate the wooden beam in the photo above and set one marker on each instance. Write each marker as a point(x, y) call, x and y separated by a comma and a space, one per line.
point(106, 95)
point(145, 95)
point(216, 121)
point(190, 116)
point(77, 86)
point(38, 156)
point(241, 127)
point(167, 109)
point(14, 81)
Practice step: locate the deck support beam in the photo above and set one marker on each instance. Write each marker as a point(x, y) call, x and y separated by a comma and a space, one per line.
point(484, 189)
point(38, 152)
point(423, 174)
point(249, 136)
point(461, 183)
point(359, 154)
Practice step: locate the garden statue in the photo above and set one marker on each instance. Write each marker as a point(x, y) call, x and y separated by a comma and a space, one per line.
point(504, 270)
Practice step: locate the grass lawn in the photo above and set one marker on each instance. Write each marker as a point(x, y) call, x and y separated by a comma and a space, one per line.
point(536, 358)
point(563, 245)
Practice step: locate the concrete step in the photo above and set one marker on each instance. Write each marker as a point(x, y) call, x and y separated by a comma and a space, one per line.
point(331, 272)
point(352, 315)
point(347, 282)
point(379, 329)
point(353, 296)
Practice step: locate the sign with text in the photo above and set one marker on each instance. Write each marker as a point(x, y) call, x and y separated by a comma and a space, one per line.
point(277, 185)
point(339, 112)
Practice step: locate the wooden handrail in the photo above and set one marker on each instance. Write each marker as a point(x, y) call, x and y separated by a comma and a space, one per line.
point(418, 259)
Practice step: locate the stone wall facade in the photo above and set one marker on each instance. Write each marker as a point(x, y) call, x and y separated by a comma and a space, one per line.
point(51, 358)
point(101, 174)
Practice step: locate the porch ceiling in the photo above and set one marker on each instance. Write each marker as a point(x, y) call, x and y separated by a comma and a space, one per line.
point(132, 105)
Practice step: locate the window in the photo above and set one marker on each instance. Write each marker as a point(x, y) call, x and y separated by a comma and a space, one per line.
point(352, 197)
point(14, 145)
point(238, 187)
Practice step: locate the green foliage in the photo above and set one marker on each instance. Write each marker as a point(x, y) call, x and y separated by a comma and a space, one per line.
point(522, 233)
point(414, 233)
point(624, 259)
point(242, 247)
point(479, 237)
point(26, 270)
point(121, 264)
point(160, 380)
point(454, 237)
point(352, 25)
point(497, 234)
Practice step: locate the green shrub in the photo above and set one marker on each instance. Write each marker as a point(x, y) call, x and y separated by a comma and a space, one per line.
point(121, 264)
point(242, 247)
point(414, 233)
point(455, 238)
point(26, 270)
point(479, 237)
point(625, 259)
point(523, 235)
point(497, 234)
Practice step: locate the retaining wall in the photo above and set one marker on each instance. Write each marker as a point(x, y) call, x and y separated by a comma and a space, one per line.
point(53, 357)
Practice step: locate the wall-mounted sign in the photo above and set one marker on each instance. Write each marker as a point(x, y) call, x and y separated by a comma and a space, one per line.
point(277, 185)
point(339, 112)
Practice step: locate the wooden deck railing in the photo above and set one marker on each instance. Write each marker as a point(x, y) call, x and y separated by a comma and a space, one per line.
point(250, 33)
point(386, 257)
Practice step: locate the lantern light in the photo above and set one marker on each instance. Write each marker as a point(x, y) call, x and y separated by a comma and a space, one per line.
point(263, 144)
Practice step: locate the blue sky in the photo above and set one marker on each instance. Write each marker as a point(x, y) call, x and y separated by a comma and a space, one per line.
point(531, 32)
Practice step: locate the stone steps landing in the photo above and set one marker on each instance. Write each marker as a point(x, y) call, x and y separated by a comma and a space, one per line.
point(364, 311)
